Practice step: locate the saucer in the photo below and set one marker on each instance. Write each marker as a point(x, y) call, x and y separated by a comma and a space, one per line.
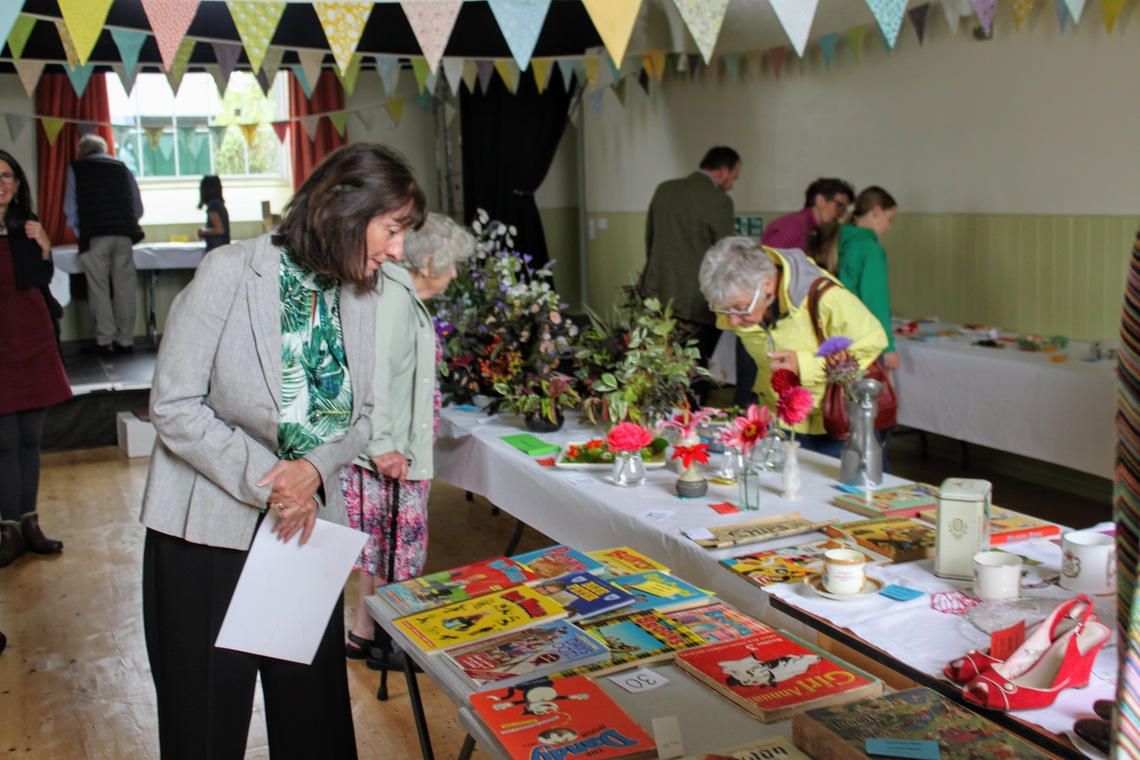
point(870, 586)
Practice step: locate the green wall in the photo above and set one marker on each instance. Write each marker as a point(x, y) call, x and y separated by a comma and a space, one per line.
point(563, 241)
point(1043, 274)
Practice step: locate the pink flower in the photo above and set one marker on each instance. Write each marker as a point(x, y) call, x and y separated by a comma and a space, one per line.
point(745, 432)
point(628, 436)
point(794, 405)
point(783, 379)
point(686, 422)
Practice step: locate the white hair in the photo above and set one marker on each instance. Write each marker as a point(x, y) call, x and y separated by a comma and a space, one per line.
point(89, 144)
point(437, 246)
point(733, 268)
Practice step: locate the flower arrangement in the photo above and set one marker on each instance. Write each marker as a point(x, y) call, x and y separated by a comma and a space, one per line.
point(794, 402)
point(839, 365)
point(590, 452)
point(698, 452)
point(746, 431)
point(638, 364)
point(502, 329)
point(629, 438)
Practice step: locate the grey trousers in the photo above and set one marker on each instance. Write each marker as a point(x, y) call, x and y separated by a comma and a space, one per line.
point(110, 265)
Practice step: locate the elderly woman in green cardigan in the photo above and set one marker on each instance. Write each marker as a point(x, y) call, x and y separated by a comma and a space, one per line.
point(862, 264)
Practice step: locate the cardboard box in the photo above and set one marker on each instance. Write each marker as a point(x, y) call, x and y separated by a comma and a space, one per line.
point(136, 438)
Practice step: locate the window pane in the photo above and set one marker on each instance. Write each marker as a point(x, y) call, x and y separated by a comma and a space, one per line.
point(159, 162)
point(263, 158)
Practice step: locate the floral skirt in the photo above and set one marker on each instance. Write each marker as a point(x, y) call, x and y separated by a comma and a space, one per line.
point(368, 498)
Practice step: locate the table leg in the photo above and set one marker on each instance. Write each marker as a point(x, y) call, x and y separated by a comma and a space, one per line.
point(151, 321)
point(384, 641)
point(417, 708)
point(467, 748)
point(513, 544)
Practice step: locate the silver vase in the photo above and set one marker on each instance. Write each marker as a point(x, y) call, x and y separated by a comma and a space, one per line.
point(861, 461)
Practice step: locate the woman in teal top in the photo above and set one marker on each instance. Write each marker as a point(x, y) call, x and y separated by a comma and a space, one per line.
point(863, 261)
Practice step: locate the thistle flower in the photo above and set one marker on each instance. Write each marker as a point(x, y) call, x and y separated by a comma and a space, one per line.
point(833, 346)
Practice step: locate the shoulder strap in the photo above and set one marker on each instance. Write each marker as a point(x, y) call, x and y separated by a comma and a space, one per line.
point(820, 286)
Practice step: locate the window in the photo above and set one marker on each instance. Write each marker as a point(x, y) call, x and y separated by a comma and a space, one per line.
point(160, 135)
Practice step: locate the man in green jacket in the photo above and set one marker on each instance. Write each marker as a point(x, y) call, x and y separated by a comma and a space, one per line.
point(686, 217)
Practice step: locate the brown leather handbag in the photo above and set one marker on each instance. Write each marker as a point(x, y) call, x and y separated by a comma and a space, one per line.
point(835, 419)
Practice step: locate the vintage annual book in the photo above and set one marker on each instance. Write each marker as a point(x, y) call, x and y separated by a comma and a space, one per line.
point(519, 656)
point(585, 595)
point(840, 732)
point(557, 560)
point(1007, 527)
point(449, 586)
point(792, 563)
point(626, 561)
point(899, 538)
point(472, 619)
point(661, 592)
point(899, 501)
point(754, 531)
point(772, 748)
point(717, 622)
point(567, 718)
point(636, 638)
point(772, 675)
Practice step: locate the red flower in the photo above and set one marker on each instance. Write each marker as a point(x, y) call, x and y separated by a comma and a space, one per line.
point(629, 436)
point(783, 379)
point(689, 454)
point(794, 405)
point(745, 432)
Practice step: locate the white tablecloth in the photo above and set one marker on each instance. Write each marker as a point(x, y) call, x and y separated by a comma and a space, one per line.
point(1011, 400)
point(147, 256)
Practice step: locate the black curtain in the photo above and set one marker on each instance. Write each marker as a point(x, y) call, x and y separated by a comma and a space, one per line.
point(509, 141)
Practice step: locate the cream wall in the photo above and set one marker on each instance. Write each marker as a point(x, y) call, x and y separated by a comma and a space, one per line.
point(13, 100)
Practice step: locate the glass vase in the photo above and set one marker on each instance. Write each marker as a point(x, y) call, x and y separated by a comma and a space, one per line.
point(791, 474)
point(748, 485)
point(629, 469)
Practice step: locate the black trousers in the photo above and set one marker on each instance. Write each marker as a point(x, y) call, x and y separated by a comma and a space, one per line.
point(746, 372)
point(20, 435)
point(205, 694)
point(707, 337)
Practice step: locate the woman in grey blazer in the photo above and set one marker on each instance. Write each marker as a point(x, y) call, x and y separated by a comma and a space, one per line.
point(262, 392)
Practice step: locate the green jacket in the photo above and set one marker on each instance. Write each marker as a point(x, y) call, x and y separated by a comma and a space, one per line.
point(863, 271)
point(686, 217)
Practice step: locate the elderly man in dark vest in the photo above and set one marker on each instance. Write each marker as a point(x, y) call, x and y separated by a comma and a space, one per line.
point(103, 208)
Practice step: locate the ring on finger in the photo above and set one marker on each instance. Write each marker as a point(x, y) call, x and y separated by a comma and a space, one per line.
point(278, 507)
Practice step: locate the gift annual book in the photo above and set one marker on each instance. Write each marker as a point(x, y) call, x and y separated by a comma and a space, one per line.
point(626, 561)
point(567, 718)
point(661, 592)
point(1008, 527)
point(899, 501)
point(791, 563)
point(899, 538)
point(772, 748)
point(717, 622)
point(754, 531)
point(449, 586)
point(636, 638)
point(557, 560)
point(473, 619)
point(585, 595)
point(524, 655)
point(773, 675)
point(840, 732)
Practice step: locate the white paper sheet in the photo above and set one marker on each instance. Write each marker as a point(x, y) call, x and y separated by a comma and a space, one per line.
point(286, 592)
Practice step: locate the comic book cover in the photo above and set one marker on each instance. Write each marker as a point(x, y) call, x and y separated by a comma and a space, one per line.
point(792, 563)
point(661, 592)
point(1006, 526)
point(772, 748)
point(570, 717)
point(585, 595)
point(625, 561)
point(557, 560)
point(519, 656)
point(449, 586)
point(899, 501)
point(636, 638)
point(717, 622)
point(899, 538)
point(755, 531)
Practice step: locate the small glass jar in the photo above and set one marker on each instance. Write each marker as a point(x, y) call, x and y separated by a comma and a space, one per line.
point(748, 485)
point(629, 469)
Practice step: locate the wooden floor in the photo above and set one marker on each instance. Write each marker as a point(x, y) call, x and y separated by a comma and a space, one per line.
point(75, 683)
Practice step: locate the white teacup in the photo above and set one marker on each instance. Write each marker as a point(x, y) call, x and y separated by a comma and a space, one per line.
point(1088, 562)
point(844, 571)
point(997, 576)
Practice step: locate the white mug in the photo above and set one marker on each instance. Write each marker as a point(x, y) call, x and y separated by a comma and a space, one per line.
point(844, 571)
point(997, 576)
point(1088, 562)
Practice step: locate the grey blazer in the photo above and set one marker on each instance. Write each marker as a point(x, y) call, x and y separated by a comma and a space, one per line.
point(216, 399)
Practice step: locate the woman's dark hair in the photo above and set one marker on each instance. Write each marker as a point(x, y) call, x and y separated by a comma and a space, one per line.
point(210, 189)
point(20, 207)
point(871, 198)
point(324, 225)
point(823, 246)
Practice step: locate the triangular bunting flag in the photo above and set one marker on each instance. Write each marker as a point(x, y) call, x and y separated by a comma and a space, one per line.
point(1021, 11)
point(389, 68)
point(9, 12)
point(431, 83)
point(509, 76)
point(311, 61)
point(658, 59)
point(217, 134)
point(423, 100)
point(220, 82)
point(85, 128)
point(365, 117)
point(827, 45)
point(541, 68)
point(614, 20)
point(470, 75)
point(1076, 8)
point(1110, 10)
point(796, 17)
point(453, 72)
point(917, 17)
point(127, 79)
point(566, 69)
point(449, 113)
point(263, 81)
point(180, 63)
point(169, 20)
point(129, 44)
point(694, 64)
point(755, 62)
point(619, 91)
point(226, 54)
point(189, 140)
point(80, 76)
point(29, 73)
point(614, 71)
point(580, 71)
point(1062, 14)
point(856, 34)
point(422, 70)
point(432, 22)
point(343, 22)
point(166, 149)
point(595, 100)
point(953, 10)
point(349, 77)
point(395, 109)
point(303, 80)
point(889, 16)
point(16, 125)
point(21, 31)
point(153, 136)
point(256, 21)
point(643, 80)
point(249, 132)
point(520, 21)
point(776, 56)
point(703, 19)
point(883, 40)
point(85, 20)
point(68, 46)
point(121, 135)
point(51, 128)
point(984, 10)
point(311, 123)
point(271, 63)
point(732, 65)
point(591, 66)
point(339, 120)
point(486, 69)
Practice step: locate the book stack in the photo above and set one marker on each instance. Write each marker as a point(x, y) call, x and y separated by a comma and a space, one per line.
point(899, 501)
point(792, 563)
point(898, 538)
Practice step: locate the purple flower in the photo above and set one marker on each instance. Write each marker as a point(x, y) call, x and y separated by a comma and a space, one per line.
point(833, 346)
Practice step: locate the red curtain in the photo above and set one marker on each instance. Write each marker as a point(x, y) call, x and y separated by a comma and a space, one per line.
point(55, 96)
point(328, 96)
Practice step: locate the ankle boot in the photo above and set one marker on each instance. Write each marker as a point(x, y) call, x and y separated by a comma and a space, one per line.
point(11, 543)
point(35, 539)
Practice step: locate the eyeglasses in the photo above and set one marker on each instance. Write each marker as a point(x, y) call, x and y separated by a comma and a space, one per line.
point(7, 178)
point(746, 312)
